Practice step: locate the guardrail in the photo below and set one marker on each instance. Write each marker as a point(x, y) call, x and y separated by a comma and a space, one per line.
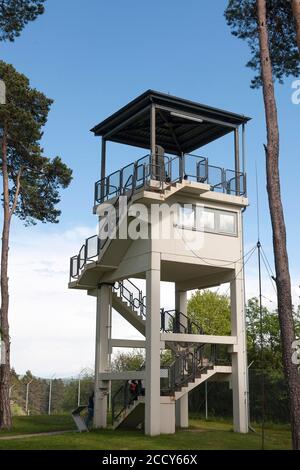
point(167, 170)
point(132, 295)
point(190, 365)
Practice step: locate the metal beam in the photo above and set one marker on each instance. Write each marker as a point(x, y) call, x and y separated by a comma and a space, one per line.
point(198, 116)
point(237, 158)
point(124, 123)
point(244, 148)
point(152, 130)
point(103, 167)
point(171, 128)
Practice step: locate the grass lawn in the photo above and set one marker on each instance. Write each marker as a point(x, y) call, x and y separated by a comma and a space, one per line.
point(201, 435)
point(36, 424)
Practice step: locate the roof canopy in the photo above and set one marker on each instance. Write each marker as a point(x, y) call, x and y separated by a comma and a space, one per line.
point(182, 126)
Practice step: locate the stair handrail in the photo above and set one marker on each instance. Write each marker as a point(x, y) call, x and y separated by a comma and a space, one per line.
point(136, 302)
point(77, 262)
point(124, 391)
point(186, 367)
point(127, 400)
point(181, 323)
point(189, 365)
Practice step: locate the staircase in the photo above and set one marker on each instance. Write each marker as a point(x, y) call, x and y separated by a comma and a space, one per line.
point(130, 303)
point(188, 370)
point(191, 366)
point(172, 189)
point(132, 416)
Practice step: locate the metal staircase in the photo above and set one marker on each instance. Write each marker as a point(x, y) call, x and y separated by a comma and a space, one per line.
point(187, 371)
point(130, 302)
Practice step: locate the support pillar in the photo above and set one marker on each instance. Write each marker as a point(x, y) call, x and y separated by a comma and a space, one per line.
point(237, 160)
point(239, 354)
point(182, 405)
point(103, 168)
point(103, 332)
point(152, 395)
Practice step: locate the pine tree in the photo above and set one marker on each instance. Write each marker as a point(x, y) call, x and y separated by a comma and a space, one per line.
point(269, 28)
point(31, 184)
point(15, 14)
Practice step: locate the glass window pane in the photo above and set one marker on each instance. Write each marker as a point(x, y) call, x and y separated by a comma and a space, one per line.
point(187, 217)
point(227, 223)
point(209, 220)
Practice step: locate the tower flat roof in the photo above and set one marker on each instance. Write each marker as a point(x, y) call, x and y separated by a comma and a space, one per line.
point(182, 126)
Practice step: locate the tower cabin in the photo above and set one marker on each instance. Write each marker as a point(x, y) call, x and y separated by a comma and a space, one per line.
point(171, 215)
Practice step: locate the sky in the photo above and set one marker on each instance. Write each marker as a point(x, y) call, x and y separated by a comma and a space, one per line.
point(92, 57)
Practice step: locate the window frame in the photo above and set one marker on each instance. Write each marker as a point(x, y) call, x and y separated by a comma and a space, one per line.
point(217, 213)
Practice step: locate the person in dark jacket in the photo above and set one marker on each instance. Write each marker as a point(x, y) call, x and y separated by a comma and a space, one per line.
point(133, 388)
point(90, 415)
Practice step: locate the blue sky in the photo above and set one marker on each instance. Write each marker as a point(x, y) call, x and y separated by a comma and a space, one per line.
point(93, 57)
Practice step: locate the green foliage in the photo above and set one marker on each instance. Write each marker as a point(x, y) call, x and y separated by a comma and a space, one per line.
point(64, 393)
point(17, 410)
point(241, 16)
point(22, 119)
point(15, 14)
point(70, 393)
point(211, 311)
point(271, 357)
point(133, 360)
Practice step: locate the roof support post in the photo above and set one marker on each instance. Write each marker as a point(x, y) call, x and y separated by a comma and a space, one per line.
point(153, 139)
point(243, 148)
point(103, 167)
point(237, 160)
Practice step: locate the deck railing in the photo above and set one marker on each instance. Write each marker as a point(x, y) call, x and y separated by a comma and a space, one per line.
point(167, 170)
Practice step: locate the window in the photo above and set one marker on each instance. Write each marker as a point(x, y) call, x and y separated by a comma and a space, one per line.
point(208, 220)
point(187, 216)
point(227, 223)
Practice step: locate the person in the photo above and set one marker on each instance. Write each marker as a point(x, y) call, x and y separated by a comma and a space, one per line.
point(133, 388)
point(141, 388)
point(90, 415)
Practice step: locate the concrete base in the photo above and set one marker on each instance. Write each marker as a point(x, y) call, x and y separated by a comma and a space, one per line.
point(182, 412)
point(167, 416)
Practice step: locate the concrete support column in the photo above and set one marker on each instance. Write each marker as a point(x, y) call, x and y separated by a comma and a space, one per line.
point(103, 331)
point(239, 354)
point(181, 300)
point(152, 395)
point(182, 412)
point(182, 405)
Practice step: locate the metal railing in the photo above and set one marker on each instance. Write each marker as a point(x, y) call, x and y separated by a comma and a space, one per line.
point(185, 368)
point(131, 294)
point(93, 245)
point(173, 321)
point(167, 170)
point(139, 174)
point(189, 365)
point(121, 400)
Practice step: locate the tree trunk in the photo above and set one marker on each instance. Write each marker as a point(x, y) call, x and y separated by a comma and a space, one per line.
point(283, 281)
point(296, 12)
point(5, 413)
